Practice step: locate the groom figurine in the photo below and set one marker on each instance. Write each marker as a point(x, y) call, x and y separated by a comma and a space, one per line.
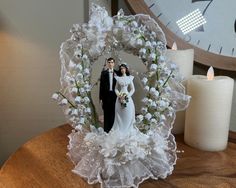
point(107, 94)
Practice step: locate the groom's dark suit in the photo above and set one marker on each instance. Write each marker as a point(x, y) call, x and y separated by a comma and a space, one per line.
point(108, 98)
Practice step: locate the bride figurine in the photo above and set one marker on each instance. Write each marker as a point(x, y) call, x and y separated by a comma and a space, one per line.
point(124, 108)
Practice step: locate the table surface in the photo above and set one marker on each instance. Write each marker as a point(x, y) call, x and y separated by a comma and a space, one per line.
point(42, 162)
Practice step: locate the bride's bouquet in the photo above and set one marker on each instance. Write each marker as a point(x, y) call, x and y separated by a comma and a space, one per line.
point(123, 99)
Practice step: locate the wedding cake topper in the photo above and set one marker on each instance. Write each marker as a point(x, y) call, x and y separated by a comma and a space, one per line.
point(137, 147)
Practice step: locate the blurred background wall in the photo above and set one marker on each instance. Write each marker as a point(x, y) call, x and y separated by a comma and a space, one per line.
point(31, 32)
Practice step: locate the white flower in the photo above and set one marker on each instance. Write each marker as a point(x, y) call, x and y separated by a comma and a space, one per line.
point(144, 80)
point(86, 100)
point(139, 42)
point(148, 44)
point(64, 101)
point(162, 118)
point(120, 14)
point(74, 90)
point(79, 67)
point(143, 110)
point(161, 45)
point(79, 76)
point(132, 41)
point(156, 94)
point(152, 56)
point(167, 89)
point(134, 24)
point(139, 118)
point(146, 128)
point(160, 82)
point(153, 34)
point(75, 112)
point(81, 101)
point(82, 90)
point(78, 53)
point(153, 121)
point(79, 46)
point(153, 67)
point(146, 88)
point(78, 100)
point(87, 87)
point(161, 58)
point(85, 57)
point(154, 43)
point(86, 71)
point(153, 104)
point(72, 65)
point(142, 51)
point(152, 90)
point(149, 102)
point(82, 120)
point(69, 79)
point(163, 104)
point(55, 96)
point(148, 116)
point(88, 110)
point(145, 100)
point(157, 114)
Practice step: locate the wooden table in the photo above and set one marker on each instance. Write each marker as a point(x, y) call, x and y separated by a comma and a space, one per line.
point(42, 162)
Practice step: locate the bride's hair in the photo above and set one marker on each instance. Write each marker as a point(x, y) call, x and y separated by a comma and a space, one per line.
point(126, 67)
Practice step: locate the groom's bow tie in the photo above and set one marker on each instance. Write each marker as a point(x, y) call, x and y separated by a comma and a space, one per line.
point(111, 71)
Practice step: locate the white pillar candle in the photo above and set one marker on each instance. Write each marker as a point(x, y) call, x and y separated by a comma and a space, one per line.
point(208, 115)
point(184, 60)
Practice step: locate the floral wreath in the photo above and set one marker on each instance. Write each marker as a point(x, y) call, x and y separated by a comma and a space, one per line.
point(139, 35)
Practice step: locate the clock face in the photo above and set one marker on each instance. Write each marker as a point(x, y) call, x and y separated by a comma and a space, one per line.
point(217, 35)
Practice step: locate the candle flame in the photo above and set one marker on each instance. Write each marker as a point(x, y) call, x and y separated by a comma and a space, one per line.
point(210, 73)
point(174, 46)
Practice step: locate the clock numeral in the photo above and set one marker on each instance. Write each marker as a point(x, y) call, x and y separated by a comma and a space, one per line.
point(198, 42)
point(204, 11)
point(232, 51)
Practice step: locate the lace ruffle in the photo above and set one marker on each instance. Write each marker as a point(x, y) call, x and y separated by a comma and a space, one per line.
point(116, 161)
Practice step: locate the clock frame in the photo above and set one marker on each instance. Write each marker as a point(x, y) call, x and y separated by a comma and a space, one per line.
point(200, 56)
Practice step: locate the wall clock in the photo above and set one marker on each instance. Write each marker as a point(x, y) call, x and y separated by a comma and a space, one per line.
point(214, 43)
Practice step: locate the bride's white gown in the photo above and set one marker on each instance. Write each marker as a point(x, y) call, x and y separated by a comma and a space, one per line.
point(124, 116)
point(124, 157)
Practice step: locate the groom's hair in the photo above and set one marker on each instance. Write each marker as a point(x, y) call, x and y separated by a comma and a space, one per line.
point(111, 59)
